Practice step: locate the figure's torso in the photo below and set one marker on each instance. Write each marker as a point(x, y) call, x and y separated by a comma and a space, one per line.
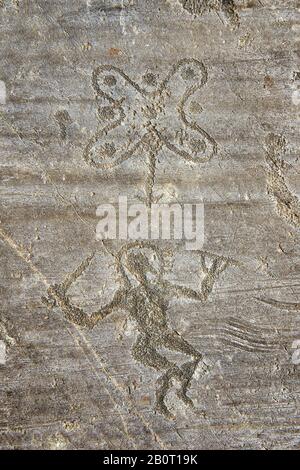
point(148, 309)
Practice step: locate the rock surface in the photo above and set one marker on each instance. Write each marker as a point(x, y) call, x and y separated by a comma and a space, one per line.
point(176, 101)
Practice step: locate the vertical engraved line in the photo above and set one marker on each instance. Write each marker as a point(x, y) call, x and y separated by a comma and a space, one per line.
point(149, 183)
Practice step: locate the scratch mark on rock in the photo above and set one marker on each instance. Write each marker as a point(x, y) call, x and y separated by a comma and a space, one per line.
point(282, 305)
point(245, 336)
point(63, 119)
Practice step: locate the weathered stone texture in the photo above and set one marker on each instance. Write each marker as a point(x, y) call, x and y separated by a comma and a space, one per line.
point(67, 386)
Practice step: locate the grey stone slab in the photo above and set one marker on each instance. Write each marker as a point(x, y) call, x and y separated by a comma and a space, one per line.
point(170, 101)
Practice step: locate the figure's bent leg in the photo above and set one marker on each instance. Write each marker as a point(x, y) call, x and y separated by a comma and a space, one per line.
point(175, 342)
point(188, 370)
point(165, 382)
point(146, 354)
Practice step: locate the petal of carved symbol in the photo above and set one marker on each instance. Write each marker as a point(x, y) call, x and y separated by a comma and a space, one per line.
point(113, 143)
point(122, 117)
point(131, 115)
point(178, 132)
point(114, 85)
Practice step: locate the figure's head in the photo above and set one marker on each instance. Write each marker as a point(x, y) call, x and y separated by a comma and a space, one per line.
point(141, 262)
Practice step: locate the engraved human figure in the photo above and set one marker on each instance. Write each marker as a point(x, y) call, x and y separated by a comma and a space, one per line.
point(145, 295)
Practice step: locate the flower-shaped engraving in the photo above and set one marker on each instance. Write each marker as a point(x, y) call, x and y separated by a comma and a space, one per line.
point(135, 119)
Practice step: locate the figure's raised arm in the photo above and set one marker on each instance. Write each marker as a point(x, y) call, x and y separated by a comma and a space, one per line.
point(176, 290)
point(76, 314)
point(210, 275)
point(57, 296)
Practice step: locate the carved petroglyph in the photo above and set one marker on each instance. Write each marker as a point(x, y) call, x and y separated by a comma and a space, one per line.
point(199, 7)
point(282, 305)
point(246, 336)
point(141, 119)
point(145, 295)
